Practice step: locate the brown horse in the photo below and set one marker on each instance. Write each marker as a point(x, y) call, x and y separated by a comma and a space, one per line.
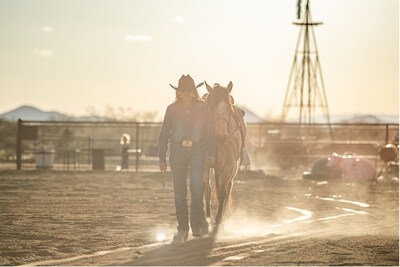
point(229, 144)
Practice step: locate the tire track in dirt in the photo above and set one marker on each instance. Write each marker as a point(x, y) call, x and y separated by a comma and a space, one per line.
point(88, 256)
point(205, 251)
point(235, 250)
point(253, 249)
point(268, 245)
point(280, 223)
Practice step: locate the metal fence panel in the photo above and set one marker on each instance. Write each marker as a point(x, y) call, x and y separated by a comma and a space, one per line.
point(71, 145)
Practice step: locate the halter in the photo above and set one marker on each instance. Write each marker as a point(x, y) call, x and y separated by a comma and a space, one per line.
point(231, 113)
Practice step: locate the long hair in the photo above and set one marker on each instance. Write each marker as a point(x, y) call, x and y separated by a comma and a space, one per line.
point(178, 98)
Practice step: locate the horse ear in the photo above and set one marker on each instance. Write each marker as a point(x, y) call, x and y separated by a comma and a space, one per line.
point(209, 89)
point(229, 87)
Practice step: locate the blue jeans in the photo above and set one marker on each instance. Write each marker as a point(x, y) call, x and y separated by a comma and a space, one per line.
point(184, 161)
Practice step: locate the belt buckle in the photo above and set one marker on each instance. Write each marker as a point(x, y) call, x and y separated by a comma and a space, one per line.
point(187, 143)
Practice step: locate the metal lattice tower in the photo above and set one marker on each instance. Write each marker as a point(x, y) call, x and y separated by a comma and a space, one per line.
point(306, 90)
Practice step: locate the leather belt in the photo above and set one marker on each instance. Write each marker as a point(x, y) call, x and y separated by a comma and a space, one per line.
point(187, 143)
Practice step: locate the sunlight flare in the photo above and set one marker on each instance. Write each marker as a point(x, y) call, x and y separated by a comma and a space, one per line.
point(161, 236)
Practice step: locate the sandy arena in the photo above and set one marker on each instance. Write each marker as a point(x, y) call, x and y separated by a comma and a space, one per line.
point(127, 218)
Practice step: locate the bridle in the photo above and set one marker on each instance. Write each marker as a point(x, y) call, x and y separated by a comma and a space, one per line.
point(227, 121)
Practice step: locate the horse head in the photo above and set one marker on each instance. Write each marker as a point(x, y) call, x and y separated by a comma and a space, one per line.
point(221, 109)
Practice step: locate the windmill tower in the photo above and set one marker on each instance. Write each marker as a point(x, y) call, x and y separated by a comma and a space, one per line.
point(305, 89)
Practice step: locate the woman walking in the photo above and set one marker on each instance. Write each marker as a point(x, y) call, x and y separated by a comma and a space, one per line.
point(185, 127)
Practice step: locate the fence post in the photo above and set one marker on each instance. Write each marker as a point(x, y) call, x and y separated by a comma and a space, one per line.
point(89, 150)
point(18, 148)
point(387, 133)
point(137, 147)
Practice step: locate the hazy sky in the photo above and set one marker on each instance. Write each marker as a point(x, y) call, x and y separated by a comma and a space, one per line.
point(67, 55)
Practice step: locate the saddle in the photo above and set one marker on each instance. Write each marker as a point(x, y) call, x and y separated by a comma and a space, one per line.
point(239, 116)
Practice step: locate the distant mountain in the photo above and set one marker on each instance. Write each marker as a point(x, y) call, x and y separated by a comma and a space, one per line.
point(250, 117)
point(364, 118)
point(358, 118)
point(31, 113)
point(35, 114)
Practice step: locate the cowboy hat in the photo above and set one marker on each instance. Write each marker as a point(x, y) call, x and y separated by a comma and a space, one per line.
point(186, 82)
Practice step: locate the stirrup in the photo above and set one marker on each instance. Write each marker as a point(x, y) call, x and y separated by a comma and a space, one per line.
point(245, 159)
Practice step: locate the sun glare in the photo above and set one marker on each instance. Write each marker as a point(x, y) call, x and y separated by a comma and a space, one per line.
point(161, 236)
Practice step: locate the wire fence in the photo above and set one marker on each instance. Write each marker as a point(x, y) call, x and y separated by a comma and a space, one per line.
point(72, 145)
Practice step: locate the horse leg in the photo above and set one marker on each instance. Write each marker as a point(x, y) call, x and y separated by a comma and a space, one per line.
point(229, 197)
point(223, 194)
point(207, 191)
point(219, 197)
point(221, 207)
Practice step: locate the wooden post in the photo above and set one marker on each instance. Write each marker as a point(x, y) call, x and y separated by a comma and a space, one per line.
point(387, 134)
point(137, 147)
point(18, 148)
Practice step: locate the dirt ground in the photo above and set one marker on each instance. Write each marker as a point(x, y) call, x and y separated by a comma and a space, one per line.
point(127, 218)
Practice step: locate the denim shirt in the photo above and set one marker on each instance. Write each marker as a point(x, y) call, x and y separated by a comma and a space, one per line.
point(179, 125)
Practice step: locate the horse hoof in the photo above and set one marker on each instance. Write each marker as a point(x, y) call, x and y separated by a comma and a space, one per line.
point(213, 233)
point(216, 229)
